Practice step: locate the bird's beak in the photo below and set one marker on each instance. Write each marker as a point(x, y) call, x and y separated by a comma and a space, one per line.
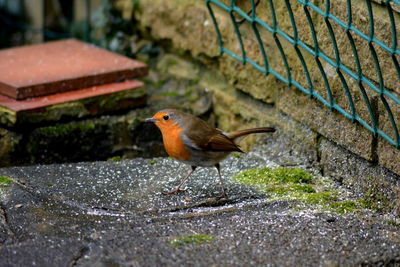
point(153, 120)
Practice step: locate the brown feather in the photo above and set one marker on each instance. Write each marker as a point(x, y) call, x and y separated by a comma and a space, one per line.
point(221, 142)
point(204, 136)
point(239, 133)
point(207, 137)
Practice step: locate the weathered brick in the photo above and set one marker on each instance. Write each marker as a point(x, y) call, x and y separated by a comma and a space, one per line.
point(74, 104)
point(178, 21)
point(331, 125)
point(378, 186)
point(8, 143)
point(388, 155)
point(61, 66)
point(186, 22)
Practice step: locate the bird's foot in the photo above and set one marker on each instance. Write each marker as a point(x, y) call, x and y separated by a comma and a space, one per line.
point(175, 191)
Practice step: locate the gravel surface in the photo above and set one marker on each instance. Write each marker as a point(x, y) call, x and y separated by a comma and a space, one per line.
point(115, 214)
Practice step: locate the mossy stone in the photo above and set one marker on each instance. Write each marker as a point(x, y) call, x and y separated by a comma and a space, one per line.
point(5, 181)
point(7, 116)
point(191, 239)
point(299, 186)
point(69, 142)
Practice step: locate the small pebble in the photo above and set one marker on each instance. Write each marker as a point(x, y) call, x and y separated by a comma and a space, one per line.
point(18, 206)
point(188, 199)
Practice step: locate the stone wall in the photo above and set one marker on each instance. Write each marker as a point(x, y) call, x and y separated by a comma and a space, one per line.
point(243, 96)
point(188, 26)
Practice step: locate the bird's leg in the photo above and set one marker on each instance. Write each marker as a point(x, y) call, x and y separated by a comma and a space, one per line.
point(223, 195)
point(178, 190)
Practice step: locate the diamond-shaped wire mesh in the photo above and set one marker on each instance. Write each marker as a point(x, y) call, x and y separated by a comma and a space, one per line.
point(370, 98)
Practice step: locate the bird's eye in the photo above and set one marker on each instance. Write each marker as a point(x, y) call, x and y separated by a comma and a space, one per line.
point(166, 117)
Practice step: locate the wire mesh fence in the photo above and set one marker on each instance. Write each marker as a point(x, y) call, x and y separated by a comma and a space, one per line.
point(348, 59)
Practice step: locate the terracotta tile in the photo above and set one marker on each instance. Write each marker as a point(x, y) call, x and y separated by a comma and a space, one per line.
point(32, 104)
point(60, 66)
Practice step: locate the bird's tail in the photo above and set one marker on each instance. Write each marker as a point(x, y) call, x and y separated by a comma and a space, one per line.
point(240, 133)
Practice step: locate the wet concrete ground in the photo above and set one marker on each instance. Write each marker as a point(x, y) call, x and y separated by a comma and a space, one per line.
point(114, 214)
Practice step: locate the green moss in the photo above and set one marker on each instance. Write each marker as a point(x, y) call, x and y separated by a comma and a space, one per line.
point(266, 176)
point(284, 183)
point(116, 158)
point(7, 116)
point(152, 162)
point(170, 93)
point(189, 92)
point(75, 141)
point(113, 101)
point(237, 155)
point(295, 175)
point(158, 85)
point(168, 61)
point(81, 108)
point(195, 239)
point(42, 136)
point(374, 204)
point(65, 129)
point(393, 223)
point(375, 198)
point(297, 185)
point(345, 206)
point(54, 112)
point(5, 181)
point(319, 198)
point(290, 188)
point(136, 4)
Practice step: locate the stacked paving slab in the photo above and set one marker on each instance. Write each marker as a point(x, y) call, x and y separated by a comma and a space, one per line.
point(64, 80)
point(37, 77)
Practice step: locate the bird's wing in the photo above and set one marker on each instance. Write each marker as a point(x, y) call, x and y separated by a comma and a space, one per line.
point(200, 135)
point(220, 142)
point(210, 140)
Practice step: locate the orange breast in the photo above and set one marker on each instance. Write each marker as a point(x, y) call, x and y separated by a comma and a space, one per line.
point(173, 142)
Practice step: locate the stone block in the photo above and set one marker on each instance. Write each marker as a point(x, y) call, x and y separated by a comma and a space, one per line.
point(178, 67)
point(68, 142)
point(8, 145)
point(85, 140)
point(378, 186)
point(250, 80)
point(61, 66)
point(186, 23)
point(73, 104)
point(331, 125)
point(389, 155)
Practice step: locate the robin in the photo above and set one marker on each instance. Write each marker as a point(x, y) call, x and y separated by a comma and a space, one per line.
point(193, 141)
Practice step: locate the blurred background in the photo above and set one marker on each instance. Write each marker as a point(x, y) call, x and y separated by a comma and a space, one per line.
point(96, 21)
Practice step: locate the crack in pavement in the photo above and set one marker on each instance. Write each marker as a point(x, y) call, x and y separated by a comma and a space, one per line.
point(82, 252)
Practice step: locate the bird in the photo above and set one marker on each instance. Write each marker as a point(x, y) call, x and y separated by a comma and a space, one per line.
point(197, 143)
